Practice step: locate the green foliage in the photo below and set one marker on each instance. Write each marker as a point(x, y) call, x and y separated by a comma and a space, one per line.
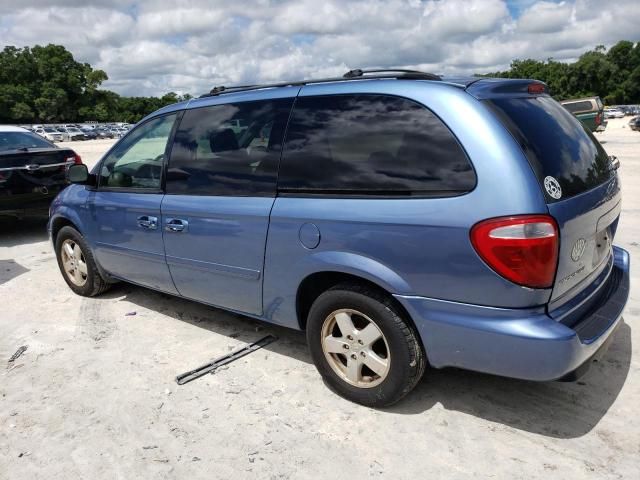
point(613, 75)
point(46, 84)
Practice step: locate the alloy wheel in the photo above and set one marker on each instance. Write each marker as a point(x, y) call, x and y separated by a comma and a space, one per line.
point(355, 348)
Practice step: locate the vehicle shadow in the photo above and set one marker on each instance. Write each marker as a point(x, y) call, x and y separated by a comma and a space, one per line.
point(553, 409)
point(10, 269)
point(290, 343)
point(15, 231)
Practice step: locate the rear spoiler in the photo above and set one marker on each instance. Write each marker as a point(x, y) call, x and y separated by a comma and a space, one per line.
point(505, 87)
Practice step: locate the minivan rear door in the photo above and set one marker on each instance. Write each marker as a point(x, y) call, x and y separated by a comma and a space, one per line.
point(579, 182)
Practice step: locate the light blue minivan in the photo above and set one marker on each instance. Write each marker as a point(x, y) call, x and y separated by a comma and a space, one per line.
point(400, 218)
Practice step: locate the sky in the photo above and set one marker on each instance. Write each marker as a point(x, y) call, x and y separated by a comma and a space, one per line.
point(150, 47)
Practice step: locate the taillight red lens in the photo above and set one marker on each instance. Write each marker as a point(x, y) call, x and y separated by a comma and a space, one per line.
point(75, 158)
point(598, 119)
point(523, 249)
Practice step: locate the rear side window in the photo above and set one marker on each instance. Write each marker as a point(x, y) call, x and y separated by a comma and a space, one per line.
point(229, 150)
point(556, 143)
point(579, 107)
point(371, 144)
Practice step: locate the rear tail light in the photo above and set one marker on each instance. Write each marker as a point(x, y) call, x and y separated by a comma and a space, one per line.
point(523, 249)
point(75, 158)
point(598, 119)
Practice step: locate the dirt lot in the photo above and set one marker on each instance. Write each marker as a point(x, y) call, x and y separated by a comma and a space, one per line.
point(94, 395)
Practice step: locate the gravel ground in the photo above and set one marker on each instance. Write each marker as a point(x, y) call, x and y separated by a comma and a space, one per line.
point(94, 395)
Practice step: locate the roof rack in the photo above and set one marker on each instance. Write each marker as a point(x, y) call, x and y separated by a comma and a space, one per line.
point(357, 74)
point(406, 74)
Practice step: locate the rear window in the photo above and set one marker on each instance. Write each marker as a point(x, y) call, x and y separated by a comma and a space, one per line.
point(556, 143)
point(371, 145)
point(18, 140)
point(578, 106)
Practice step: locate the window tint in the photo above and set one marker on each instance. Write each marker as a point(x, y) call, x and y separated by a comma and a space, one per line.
point(555, 142)
point(137, 161)
point(230, 149)
point(14, 140)
point(579, 106)
point(371, 144)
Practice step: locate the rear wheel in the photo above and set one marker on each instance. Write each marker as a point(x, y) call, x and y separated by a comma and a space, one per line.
point(362, 346)
point(77, 264)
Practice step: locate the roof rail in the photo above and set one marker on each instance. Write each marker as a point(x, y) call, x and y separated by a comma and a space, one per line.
point(357, 74)
point(410, 74)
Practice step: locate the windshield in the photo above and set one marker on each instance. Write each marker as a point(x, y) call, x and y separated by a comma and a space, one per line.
point(556, 143)
point(18, 140)
point(50, 130)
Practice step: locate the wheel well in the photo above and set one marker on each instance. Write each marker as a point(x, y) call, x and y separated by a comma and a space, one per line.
point(57, 225)
point(317, 283)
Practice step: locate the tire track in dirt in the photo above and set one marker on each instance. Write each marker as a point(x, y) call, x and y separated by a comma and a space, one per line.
point(91, 322)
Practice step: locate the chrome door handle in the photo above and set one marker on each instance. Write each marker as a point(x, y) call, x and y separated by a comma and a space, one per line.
point(150, 223)
point(176, 225)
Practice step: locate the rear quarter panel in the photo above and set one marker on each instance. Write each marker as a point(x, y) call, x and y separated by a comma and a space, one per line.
point(588, 120)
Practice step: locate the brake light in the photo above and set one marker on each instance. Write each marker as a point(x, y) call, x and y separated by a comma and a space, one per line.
point(598, 119)
point(522, 249)
point(75, 158)
point(536, 88)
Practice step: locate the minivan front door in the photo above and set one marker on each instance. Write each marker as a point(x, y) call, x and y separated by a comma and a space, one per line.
point(125, 208)
point(220, 190)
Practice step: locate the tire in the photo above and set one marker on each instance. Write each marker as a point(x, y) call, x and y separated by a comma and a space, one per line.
point(85, 279)
point(397, 356)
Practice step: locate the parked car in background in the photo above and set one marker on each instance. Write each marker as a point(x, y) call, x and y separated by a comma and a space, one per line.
point(116, 132)
point(50, 134)
point(613, 113)
point(32, 171)
point(89, 133)
point(371, 213)
point(634, 124)
point(589, 111)
point(102, 132)
point(72, 133)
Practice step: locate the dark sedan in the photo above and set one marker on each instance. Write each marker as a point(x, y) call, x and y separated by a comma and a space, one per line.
point(32, 172)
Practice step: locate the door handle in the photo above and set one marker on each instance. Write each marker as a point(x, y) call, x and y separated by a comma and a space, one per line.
point(176, 225)
point(148, 222)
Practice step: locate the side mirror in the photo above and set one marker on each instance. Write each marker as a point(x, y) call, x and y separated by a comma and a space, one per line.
point(78, 173)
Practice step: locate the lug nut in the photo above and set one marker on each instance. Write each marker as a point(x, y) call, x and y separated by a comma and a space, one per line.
point(363, 353)
point(360, 342)
point(345, 346)
point(349, 337)
point(354, 356)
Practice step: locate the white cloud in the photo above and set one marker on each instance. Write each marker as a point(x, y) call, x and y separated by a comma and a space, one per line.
point(545, 17)
point(154, 46)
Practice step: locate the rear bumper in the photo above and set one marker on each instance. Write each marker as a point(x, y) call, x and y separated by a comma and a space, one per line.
point(520, 343)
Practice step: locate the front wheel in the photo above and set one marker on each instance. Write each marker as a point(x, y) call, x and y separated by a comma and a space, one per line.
point(362, 346)
point(77, 264)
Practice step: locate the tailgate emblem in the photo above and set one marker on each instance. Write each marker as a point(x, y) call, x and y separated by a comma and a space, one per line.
point(578, 249)
point(552, 187)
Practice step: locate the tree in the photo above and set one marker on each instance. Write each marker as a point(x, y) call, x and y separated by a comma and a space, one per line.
point(613, 75)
